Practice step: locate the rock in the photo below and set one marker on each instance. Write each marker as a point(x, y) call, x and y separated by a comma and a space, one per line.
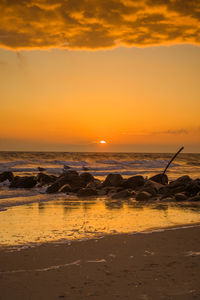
point(44, 179)
point(65, 189)
point(122, 195)
point(113, 190)
point(180, 197)
point(71, 177)
point(168, 199)
point(54, 188)
point(133, 194)
point(85, 169)
point(25, 182)
point(66, 168)
point(183, 184)
point(87, 192)
point(141, 196)
point(181, 181)
point(172, 189)
point(164, 191)
point(178, 189)
point(6, 176)
point(134, 182)
point(152, 187)
point(192, 188)
point(69, 173)
point(160, 178)
point(96, 184)
point(195, 198)
point(150, 190)
point(87, 177)
point(113, 180)
point(153, 184)
point(41, 169)
point(103, 192)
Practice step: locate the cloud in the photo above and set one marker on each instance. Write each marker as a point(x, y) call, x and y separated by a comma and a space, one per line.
point(170, 131)
point(96, 24)
point(165, 132)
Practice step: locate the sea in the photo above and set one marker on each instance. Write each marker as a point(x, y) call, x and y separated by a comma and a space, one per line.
point(30, 217)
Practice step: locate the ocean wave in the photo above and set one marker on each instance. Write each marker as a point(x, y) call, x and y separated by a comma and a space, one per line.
point(99, 167)
point(27, 198)
point(147, 163)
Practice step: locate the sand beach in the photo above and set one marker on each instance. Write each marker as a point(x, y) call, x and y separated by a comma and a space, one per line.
point(157, 265)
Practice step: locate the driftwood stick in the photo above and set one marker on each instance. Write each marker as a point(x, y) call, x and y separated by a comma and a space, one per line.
point(172, 159)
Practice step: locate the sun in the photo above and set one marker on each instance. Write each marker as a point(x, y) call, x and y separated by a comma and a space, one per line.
point(102, 142)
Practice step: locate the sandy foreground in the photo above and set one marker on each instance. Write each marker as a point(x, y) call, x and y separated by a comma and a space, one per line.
point(159, 265)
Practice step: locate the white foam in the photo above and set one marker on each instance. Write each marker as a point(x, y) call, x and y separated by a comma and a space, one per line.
point(192, 253)
point(55, 267)
point(96, 261)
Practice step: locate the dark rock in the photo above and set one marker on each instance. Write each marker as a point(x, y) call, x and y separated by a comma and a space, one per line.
point(160, 178)
point(141, 196)
point(113, 180)
point(178, 189)
point(183, 184)
point(104, 191)
point(134, 182)
point(122, 195)
point(180, 197)
point(96, 184)
point(164, 191)
point(133, 194)
point(65, 189)
point(54, 188)
point(25, 182)
point(153, 184)
point(150, 190)
point(171, 189)
point(66, 168)
point(87, 192)
point(6, 176)
point(44, 179)
point(69, 173)
point(195, 198)
point(71, 177)
point(41, 169)
point(87, 177)
point(113, 190)
point(181, 181)
point(85, 169)
point(168, 199)
point(192, 188)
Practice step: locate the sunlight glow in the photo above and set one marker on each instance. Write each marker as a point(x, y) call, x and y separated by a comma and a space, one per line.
point(102, 142)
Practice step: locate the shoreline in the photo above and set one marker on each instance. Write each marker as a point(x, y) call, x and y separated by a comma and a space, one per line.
point(20, 247)
point(160, 265)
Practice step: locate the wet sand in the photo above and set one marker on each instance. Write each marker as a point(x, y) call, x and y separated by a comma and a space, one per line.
point(158, 265)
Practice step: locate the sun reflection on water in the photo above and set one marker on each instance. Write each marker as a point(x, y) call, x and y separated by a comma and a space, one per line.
point(74, 219)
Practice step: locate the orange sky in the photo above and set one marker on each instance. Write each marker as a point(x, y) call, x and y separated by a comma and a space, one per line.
point(139, 89)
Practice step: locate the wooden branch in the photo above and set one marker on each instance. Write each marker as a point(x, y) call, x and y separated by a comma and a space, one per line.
point(172, 159)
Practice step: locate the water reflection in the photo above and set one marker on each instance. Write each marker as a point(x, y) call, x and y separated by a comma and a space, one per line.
point(71, 219)
point(114, 204)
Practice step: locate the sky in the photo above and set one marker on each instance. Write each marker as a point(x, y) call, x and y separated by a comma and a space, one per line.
point(75, 72)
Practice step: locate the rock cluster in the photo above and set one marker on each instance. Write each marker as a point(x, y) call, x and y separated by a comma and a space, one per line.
point(114, 186)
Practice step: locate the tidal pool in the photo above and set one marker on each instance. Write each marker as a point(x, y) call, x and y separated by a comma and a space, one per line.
point(74, 219)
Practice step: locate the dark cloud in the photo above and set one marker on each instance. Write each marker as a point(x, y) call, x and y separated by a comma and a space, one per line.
point(94, 24)
point(178, 131)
